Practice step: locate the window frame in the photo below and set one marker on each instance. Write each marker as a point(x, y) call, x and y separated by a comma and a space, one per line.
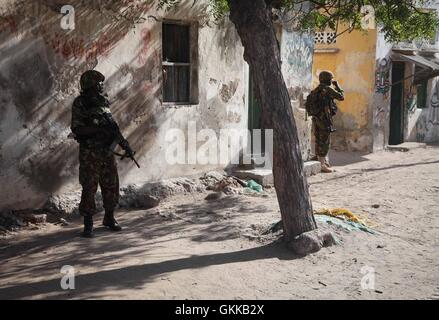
point(424, 86)
point(192, 64)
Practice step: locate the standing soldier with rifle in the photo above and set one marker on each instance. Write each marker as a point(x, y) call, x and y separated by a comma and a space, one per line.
point(98, 135)
point(321, 106)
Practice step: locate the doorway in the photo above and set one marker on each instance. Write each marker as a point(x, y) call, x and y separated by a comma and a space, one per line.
point(255, 118)
point(397, 104)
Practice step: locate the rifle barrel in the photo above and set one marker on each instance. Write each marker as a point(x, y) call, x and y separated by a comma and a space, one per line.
point(135, 161)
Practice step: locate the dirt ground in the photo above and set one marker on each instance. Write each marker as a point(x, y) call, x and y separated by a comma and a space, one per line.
point(190, 248)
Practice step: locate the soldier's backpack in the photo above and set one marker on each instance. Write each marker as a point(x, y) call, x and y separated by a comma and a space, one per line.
point(314, 102)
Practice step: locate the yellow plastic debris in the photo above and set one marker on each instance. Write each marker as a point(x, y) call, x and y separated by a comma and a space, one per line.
point(340, 213)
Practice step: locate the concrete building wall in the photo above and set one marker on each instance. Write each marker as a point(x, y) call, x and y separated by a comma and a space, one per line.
point(381, 97)
point(420, 124)
point(423, 123)
point(39, 72)
point(352, 59)
point(297, 61)
point(40, 68)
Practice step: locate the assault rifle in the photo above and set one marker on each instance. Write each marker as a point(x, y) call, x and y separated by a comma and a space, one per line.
point(119, 139)
point(329, 112)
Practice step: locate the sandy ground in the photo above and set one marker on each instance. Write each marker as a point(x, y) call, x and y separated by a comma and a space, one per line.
point(195, 249)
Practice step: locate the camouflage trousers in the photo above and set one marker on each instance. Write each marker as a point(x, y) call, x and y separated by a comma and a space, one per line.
point(322, 137)
point(97, 167)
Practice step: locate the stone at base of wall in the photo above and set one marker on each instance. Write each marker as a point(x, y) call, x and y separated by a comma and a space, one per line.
point(15, 220)
point(406, 146)
point(142, 196)
point(312, 168)
point(137, 196)
point(265, 176)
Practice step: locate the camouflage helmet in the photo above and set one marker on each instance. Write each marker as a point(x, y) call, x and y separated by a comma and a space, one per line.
point(326, 76)
point(90, 79)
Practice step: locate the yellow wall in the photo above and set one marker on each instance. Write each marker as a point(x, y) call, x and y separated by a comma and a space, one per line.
point(354, 67)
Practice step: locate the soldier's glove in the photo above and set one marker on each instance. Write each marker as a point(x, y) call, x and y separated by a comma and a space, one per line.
point(127, 148)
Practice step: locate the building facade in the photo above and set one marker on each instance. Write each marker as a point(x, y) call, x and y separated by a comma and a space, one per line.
point(351, 57)
point(165, 70)
point(390, 88)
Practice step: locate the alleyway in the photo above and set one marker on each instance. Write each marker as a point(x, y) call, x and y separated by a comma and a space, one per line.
point(195, 249)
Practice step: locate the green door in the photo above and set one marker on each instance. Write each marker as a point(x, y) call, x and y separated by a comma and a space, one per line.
point(397, 104)
point(254, 115)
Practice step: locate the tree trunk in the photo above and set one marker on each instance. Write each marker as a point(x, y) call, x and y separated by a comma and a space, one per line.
point(252, 19)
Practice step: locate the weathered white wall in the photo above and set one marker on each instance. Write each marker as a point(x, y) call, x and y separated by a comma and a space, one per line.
point(420, 125)
point(424, 123)
point(297, 59)
point(40, 67)
point(39, 71)
point(381, 99)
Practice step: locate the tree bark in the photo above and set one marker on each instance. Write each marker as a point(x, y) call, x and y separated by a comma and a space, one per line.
point(252, 19)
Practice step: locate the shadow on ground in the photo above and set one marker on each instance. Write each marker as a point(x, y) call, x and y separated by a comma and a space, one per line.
point(144, 232)
point(341, 159)
point(136, 276)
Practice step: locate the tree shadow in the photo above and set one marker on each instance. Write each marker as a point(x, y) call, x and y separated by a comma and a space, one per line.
point(104, 250)
point(144, 231)
point(39, 71)
point(218, 220)
point(40, 68)
point(361, 171)
point(136, 276)
point(341, 159)
point(396, 166)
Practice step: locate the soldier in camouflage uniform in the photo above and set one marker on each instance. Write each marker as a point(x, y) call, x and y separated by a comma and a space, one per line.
point(322, 122)
point(97, 165)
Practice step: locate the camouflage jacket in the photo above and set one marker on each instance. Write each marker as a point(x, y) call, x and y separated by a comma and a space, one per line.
point(331, 94)
point(88, 111)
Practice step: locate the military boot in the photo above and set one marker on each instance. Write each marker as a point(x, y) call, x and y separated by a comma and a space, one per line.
point(110, 221)
point(88, 227)
point(328, 164)
point(325, 168)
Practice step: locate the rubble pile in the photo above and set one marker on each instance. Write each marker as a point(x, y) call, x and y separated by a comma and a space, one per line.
point(135, 196)
point(63, 205)
point(11, 221)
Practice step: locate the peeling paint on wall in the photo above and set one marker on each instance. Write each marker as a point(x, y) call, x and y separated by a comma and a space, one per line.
point(39, 73)
point(41, 65)
point(352, 60)
point(297, 53)
point(434, 104)
point(382, 82)
point(228, 90)
point(297, 59)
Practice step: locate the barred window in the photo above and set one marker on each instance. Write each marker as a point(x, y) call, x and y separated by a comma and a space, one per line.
point(421, 97)
point(176, 63)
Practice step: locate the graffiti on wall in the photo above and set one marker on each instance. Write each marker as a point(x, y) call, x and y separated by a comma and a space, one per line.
point(379, 116)
point(101, 26)
point(298, 52)
point(382, 77)
point(78, 48)
point(433, 117)
point(8, 24)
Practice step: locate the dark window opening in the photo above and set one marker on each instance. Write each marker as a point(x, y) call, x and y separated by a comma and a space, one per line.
point(176, 63)
point(421, 96)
